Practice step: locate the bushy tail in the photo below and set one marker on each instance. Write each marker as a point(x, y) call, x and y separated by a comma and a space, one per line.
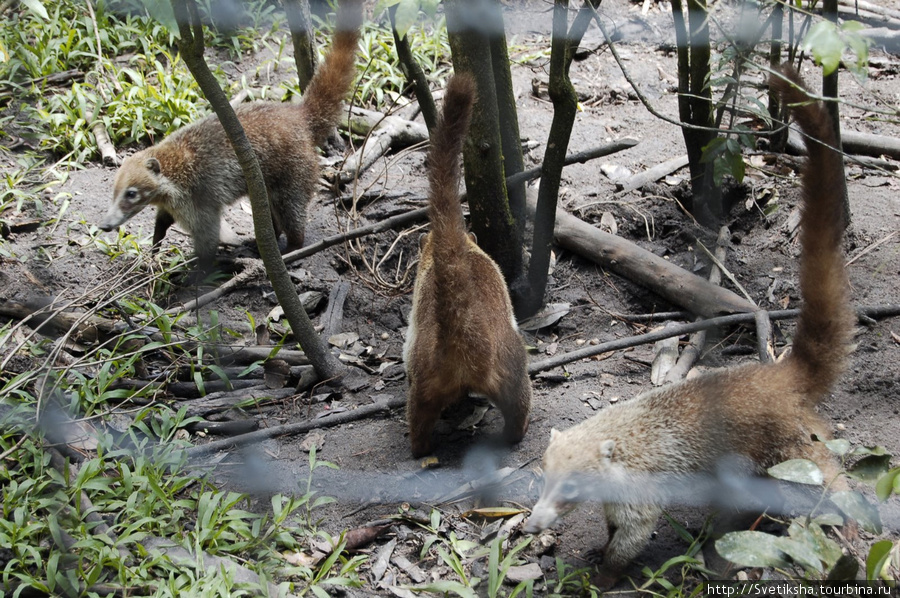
point(447, 226)
point(826, 321)
point(333, 78)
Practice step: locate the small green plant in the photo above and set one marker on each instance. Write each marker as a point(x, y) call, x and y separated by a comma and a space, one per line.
point(807, 551)
point(572, 581)
point(829, 44)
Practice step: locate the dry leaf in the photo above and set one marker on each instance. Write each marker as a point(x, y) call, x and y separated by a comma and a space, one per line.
point(492, 512)
point(315, 438)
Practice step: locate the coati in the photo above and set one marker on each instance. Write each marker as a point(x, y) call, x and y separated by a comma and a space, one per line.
point(762, 413)
point(462, 335)
point(194, 173)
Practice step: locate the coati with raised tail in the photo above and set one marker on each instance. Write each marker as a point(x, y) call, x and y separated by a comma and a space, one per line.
point(764, 413)
point(462, 335)
point(193, 174)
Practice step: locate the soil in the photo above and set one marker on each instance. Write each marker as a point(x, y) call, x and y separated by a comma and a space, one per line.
point(377, 477)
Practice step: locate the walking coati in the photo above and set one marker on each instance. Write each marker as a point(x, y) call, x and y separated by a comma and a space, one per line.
point(193, 174)
point(462, 335)
point(764, 414)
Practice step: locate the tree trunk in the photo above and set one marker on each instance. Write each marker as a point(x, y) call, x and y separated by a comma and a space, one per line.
point(565, 106)
point(414, 74)
point(191, 47)
point(300, 24)
point(830, 90)
point(695, 106)
point(469, 26)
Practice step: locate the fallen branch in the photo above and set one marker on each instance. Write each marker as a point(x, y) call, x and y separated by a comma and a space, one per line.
point(853, 142)
point(871, 7)
point(252, 269)
point(223, 401)
point(296, 428)
point(383, 133)
point(623, 257)
point(653, 174)
point(764, 336)
point(879, 311)
point(697, 340)
point(333, 318)
point(577, 158)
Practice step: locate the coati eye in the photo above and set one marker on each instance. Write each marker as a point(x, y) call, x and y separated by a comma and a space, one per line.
point(130, 194)
point(569, 490)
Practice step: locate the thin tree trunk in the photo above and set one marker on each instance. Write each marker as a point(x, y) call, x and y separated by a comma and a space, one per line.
point(302, 37)
point(414, 74)
point(775, 108)
point(830, 90)
point(695, 105)
point(469, 28)
point(513, 162)
point(565, 106)
point(191, 47)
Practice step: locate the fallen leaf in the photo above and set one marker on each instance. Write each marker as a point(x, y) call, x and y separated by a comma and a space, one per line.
point(474, 419)
point(548, 316)
point(363, 536)
point(300, 559)
point(615, 172)
point(344, 339)
point(315, 438)
point(608, 223)
point(492, 512)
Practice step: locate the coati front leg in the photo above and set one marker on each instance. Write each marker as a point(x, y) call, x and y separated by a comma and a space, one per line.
point(630, 528)
point(164, 220)
point(205, 231)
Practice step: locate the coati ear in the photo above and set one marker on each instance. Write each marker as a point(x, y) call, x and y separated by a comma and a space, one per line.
point(606, 449)
point(423, 238)
point(473, 238)
point(553, 434)
point(152, 165)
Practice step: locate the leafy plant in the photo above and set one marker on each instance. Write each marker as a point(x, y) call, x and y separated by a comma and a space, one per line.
point(807, 549)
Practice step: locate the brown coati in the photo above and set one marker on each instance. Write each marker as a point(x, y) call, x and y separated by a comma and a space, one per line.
point(194, 173)
point(462, 335)
point(765, 414)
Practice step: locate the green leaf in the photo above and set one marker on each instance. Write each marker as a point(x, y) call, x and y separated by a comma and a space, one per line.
point(870, 469)
point(838, 446)
point(751, 549)
point(878, 557)
point(855, 506)
point(37, 7)
point(887, 483)
point(406, 16)
point(800, 471)
point(444, 587)
point(825, 44)
point(800, 553)
point(826, 550)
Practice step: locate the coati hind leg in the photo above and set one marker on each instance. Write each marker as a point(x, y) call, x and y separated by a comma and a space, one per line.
point(422, 413)
point(289, 207)
point(514, 402)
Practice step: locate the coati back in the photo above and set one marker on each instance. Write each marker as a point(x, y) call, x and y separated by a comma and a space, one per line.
point(764, 413)
point(462, 335)
point(194, 173)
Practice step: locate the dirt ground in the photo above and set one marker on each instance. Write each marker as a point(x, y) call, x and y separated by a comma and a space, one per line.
point(377, 476)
